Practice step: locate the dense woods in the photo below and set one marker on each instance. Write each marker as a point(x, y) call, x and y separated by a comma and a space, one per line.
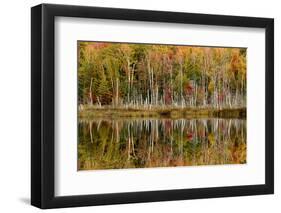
point(120, 75)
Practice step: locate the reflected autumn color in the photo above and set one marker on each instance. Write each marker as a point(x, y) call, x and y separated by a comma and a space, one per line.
point(143, 143)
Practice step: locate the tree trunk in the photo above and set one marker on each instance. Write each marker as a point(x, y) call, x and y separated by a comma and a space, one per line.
point(91, 95)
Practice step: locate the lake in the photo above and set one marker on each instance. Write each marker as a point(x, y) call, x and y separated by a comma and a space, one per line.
point(143, 143)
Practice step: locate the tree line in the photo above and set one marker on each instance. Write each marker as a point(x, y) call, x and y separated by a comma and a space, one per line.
point(146, 75)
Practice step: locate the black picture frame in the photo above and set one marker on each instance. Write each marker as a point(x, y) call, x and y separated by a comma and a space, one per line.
point(43, 102)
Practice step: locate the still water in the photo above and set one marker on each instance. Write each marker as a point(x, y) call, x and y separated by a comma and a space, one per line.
point(143, 143)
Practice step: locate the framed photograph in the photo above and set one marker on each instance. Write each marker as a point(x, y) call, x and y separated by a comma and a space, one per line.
point(139, 106)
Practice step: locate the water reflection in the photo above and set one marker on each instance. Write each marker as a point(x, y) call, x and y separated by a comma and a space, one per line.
point(141, 143)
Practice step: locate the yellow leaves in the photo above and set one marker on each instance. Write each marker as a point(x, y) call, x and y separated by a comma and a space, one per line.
point(126, 48)
point(219, 53)
point(211, 86)
point(241, 153)
point(211, 139)
point(238, 62)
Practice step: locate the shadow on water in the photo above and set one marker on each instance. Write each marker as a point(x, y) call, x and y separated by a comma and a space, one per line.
point(143, 143)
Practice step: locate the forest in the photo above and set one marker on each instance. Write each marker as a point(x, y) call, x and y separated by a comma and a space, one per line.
point(152, 105)
point(154, 76)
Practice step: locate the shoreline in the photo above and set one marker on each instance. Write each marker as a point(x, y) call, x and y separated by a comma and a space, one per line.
point(158, 112)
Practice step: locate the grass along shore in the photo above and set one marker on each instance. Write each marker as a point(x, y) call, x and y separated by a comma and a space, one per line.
point(159, 112)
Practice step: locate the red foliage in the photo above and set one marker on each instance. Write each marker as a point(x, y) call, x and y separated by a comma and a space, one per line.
point(189, 136)
point(98, 45)
point(168, 95)
point(168, 125)
point(171, 55)
point(188, 89)
point(221, 97)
